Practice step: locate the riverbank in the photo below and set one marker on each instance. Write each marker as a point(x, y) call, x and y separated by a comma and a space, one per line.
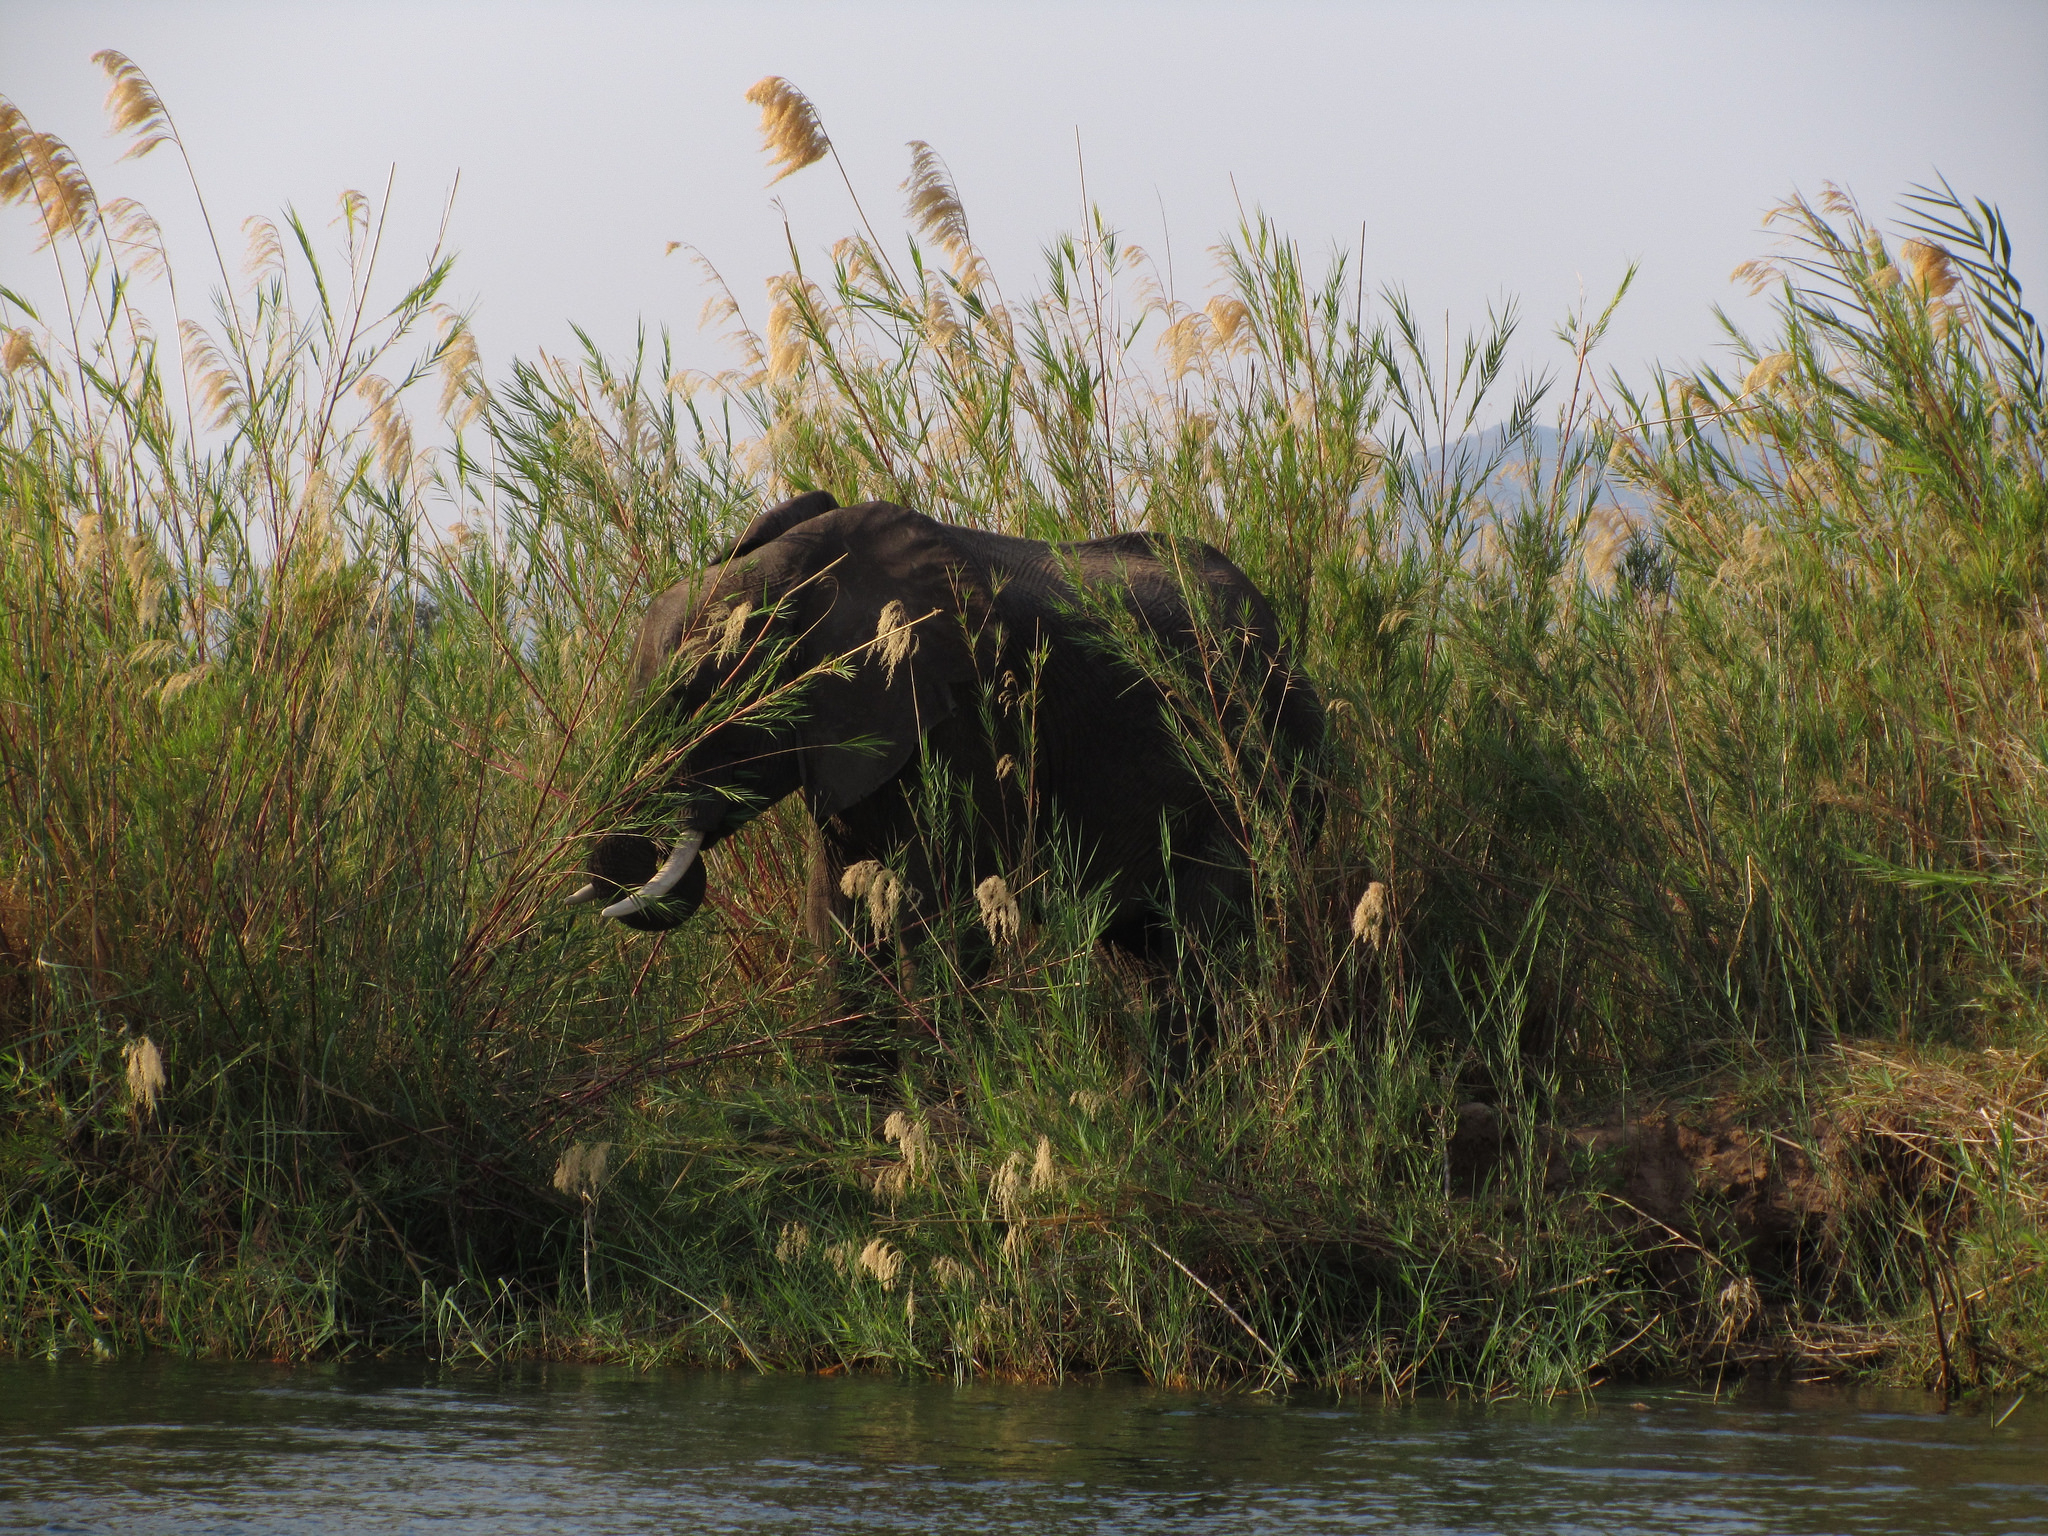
point(1663, 992)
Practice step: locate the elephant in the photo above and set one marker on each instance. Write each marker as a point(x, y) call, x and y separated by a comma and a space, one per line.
point(1051, 683)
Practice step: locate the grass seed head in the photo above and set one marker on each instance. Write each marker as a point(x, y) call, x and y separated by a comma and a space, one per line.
point(732, 633)
point(792, 1243)
point(145, 1072)
point(17, 351)
point(999, 913)
point(1934, 273)
point(1232, 322)
point(1607, 538)
point(790, 131)
point(1186, 343)
point(894, 639)
point(1767, 372)
point(933, 204)
point(133, 105)
point(1369, 917)
point(581, 1172)
point(40, 167)
point(1045, 1173)
point(882, 887)
point(390, 428)
point(910, 1138)
point(265, 254)
point(881, 1261)
point(216, 387)
point(178, 684)
point(949, 1274)
point(1011, 1183)
point(462, 376)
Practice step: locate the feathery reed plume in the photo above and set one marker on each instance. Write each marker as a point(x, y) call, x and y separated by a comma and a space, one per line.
point(1758, 275)
point(881, 1261)
point(912, 1140)
point(999, 913)
point(1186, 343)
point(1736, 1306)
point(882, 887)
point(843, 1256)
point(1012, 1182)
point(266, 249)
point(1369, 917)
point(40, 166)
point(732, 633)
point(857, 256)
point(1757, 554)
point(138, 557)
point(390, 430)
point(133, 105)
point(1232, 320)
point(462, 376)
point(1045, 1173)
point(791, 134)
point(1690, 398)
point(581, 1171)
point(934, 206)
point(1607, 539)
point(133, 228)
point(1088, 1101)
point(949, 1274)
point(1933, 269)
point(894, 639)
point(145, 1073)
point(17, 351)
point(909, 1137)
point(216, 388)
point(178, 684)
point(792, 1243)
point(89, 537)
point(796, 312)
point(940, 324)
point(1767, 372)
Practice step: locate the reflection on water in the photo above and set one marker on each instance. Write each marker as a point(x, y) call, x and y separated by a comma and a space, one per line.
point(194, 1447)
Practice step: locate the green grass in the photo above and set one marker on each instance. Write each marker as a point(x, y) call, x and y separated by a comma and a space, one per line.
point(1728, 815)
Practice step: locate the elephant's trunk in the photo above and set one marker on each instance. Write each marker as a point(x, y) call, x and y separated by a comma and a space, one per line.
point(665, 880)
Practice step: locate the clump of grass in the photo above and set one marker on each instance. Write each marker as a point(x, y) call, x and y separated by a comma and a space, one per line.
point(1730, 796)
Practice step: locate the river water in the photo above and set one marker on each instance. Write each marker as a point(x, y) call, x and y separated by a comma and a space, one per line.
point(175, 1446)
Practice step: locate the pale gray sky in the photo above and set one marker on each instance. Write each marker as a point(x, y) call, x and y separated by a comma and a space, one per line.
point(1483, 149)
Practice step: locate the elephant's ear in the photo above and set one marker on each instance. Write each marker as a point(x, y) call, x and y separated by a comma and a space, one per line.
point(902, 606)
point(777, 521)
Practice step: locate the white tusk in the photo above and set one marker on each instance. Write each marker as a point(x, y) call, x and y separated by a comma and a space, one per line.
point(588, 893)
point(665, 880)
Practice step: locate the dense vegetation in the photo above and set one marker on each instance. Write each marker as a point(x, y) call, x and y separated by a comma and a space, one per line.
point(1665, 991)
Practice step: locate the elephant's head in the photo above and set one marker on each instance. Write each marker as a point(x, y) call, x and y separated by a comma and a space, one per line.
point(813, 656)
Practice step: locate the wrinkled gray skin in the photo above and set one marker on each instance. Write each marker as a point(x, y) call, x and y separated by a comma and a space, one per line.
point(1100, 757)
